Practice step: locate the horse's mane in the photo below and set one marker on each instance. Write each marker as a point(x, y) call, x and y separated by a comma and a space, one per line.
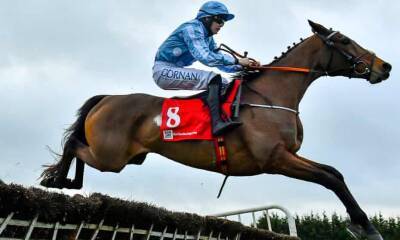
point(249, 75)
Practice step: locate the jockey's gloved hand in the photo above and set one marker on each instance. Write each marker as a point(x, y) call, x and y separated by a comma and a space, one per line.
point(255, 64)
point(245, 62)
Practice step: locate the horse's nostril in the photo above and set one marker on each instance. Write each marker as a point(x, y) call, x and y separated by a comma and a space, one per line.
point(387, 67)
point(386, 76)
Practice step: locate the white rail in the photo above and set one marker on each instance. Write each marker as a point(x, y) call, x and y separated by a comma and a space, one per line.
point(77, 229)
point(289, 216)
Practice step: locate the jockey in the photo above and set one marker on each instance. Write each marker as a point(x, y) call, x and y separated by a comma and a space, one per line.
point(193, 41)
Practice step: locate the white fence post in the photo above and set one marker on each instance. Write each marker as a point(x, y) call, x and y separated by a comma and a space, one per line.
point(289, 217)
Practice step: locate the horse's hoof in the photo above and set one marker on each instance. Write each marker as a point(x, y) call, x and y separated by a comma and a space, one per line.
point(51, 183)
point(358, 232)
point(375, 236)
point(72, 184)
point(355, 230)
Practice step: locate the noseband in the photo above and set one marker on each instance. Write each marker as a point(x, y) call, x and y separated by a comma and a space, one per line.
point(358, 67)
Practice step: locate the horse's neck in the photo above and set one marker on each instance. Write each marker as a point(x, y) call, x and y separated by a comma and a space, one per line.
point(288, 88)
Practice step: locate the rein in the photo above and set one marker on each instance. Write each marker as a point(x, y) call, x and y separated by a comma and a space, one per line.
point(284, 69)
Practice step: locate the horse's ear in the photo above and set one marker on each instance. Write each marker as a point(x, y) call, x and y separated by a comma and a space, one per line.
point(318, 28)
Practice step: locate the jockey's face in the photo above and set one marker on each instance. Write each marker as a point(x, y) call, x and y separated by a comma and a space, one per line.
point(217, 23)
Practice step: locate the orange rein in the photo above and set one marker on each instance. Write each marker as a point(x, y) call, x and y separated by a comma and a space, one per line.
point(286, 69)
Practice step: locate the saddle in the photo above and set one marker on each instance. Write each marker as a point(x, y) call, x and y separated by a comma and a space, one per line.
point(188, 118)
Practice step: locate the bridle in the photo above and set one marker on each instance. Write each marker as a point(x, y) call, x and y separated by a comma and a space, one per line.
point(358, 67)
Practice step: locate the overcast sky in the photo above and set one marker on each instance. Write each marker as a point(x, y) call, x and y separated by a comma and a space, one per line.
point(56, 54)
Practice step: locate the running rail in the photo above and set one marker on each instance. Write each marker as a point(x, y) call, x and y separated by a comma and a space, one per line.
point(289, 216)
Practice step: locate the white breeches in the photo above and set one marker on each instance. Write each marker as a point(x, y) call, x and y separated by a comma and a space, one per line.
point(171, 77)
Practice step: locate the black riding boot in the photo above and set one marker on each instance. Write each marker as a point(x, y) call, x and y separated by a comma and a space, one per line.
point(213, 101)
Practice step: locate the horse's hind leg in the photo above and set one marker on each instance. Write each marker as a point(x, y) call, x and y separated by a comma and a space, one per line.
point(102, 164)
point(77, 182)
point(55, 176)
point(294, 166)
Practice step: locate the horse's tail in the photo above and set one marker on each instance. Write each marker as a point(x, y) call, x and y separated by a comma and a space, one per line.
point(56, 175)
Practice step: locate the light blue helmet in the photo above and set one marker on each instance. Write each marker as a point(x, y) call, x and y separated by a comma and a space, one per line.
point(212, 8)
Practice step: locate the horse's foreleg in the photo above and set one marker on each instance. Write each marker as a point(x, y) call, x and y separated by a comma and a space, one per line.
point(294, 166)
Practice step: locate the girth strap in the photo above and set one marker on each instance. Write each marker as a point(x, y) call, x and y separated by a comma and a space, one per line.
point(221, 156)
point(221, 159)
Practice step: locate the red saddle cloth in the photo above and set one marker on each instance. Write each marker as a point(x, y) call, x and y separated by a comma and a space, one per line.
point(190, 119)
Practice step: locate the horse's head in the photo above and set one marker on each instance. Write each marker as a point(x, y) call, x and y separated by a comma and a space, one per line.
point(347, 58)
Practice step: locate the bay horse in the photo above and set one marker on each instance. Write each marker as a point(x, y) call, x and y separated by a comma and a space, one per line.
point(114, 131)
